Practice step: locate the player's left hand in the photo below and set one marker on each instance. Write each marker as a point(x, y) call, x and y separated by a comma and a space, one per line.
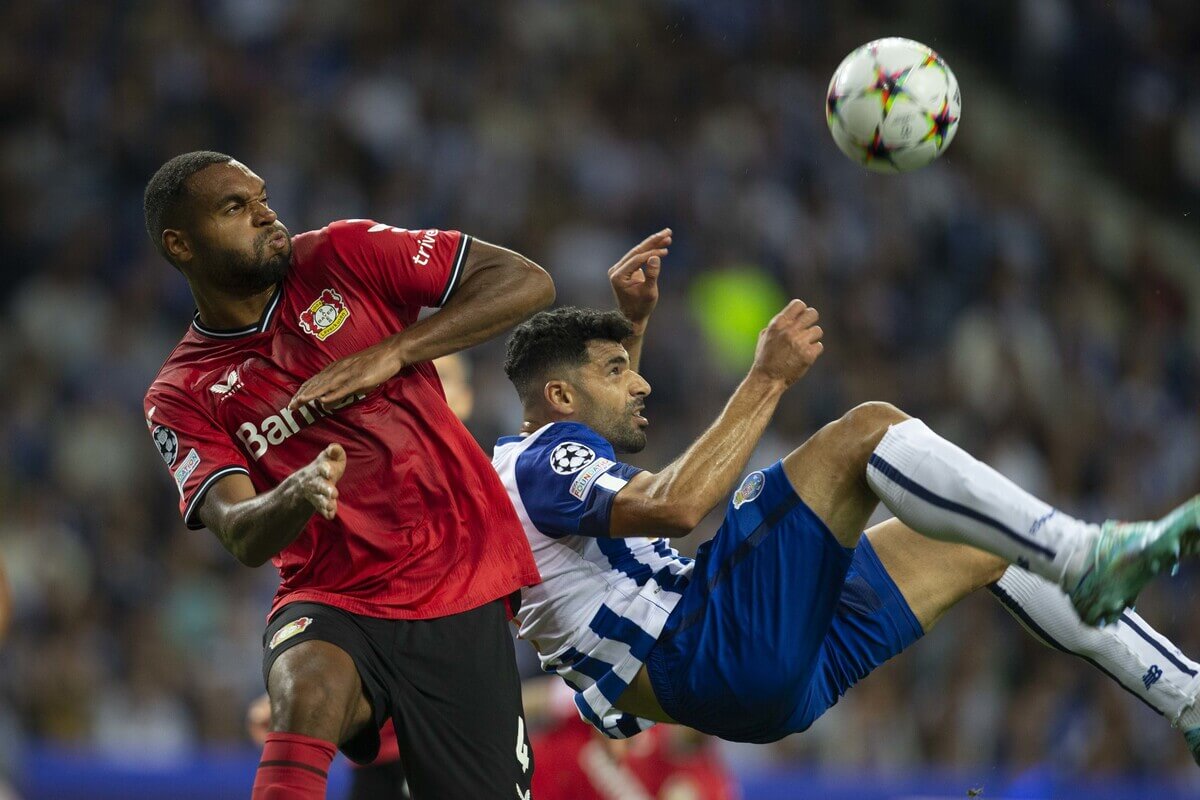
point(634, 278)
point(351, 375)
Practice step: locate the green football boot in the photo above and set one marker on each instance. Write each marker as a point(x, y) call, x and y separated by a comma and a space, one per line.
point(1127, 555)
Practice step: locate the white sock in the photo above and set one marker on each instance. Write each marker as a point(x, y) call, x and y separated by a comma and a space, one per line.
point(939, 490)
point(1131, 652)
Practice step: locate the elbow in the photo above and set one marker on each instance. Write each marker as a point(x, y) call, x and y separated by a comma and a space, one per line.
point(682, 522)
point(542, 287)
point(241, 549)
point(536, 283)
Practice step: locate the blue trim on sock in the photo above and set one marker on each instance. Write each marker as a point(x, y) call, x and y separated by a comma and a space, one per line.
point(1007, 599)
point(1157, 645)
point(895, 476)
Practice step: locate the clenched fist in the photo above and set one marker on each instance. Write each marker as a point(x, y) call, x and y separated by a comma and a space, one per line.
point(790, 344)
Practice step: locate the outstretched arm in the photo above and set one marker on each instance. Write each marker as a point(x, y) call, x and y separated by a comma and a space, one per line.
point(673, 501)
point(499, 288)
point(254, 527)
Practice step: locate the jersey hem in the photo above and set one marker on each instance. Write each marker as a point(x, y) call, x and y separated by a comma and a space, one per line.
point(365, 608)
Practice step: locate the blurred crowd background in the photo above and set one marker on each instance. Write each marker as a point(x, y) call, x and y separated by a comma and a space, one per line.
point(1033, 295)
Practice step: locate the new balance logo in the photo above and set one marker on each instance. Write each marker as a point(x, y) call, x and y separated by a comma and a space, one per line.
point(1152, 675)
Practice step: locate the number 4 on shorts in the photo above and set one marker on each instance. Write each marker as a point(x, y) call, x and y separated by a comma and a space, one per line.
point(522, 747)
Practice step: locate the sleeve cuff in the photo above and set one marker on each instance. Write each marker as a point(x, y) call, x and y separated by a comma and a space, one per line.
point(456, 269)
point(193, 507)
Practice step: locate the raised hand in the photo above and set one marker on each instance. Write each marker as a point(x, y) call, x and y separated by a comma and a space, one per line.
point(318, 480)
point(790, 343)
point(634, 278)
point(351, 375)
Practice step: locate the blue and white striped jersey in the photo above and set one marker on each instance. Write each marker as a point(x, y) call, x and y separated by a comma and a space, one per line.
point(602, 602)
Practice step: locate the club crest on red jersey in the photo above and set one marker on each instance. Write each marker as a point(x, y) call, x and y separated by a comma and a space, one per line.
point(325, 316)
point(293, 628)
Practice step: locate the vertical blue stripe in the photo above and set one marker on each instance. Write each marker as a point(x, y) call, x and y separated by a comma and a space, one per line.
point(608, 625)
point(621, 558)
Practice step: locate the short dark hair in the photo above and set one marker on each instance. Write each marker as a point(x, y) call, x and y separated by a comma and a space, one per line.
point(167, 190)
point(557, 338)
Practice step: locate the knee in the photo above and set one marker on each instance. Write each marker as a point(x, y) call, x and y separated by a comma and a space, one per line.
point(863, 426)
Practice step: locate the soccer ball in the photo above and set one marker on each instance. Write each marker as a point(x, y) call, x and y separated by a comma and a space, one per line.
point(893, 105)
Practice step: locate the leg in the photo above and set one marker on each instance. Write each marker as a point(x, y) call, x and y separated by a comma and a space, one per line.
point(459, 720)
point(941, 491)
point(315, 691)
point(829, 471)
point(317, 695)
point(931, 575)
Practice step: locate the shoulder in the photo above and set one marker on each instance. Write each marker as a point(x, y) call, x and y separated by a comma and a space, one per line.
point(176, 370)
point(567, 447)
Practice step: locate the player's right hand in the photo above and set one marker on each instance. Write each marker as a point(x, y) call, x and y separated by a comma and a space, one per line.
point(318, 480)
point(790, 344)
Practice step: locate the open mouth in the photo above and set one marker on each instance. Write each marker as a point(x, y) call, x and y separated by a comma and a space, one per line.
point(640, 418)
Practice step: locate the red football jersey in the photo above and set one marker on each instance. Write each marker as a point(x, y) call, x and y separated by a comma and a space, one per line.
point(571, 762)
point(424, 528)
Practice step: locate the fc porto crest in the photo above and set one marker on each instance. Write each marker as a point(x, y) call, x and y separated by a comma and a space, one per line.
point(750, 489)
point(325, 316)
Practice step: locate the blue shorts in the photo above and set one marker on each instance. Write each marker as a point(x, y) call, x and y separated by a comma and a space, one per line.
point(777, 622)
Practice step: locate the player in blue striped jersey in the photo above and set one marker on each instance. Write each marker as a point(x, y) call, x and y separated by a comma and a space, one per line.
point(790, 604)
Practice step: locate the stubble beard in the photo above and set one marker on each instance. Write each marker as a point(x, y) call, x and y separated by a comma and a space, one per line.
point(243, 274)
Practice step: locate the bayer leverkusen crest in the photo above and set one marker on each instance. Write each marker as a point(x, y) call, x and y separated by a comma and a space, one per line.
point(326, 314)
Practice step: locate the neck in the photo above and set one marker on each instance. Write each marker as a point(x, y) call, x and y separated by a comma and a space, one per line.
point(530, 424)
point(221, 310)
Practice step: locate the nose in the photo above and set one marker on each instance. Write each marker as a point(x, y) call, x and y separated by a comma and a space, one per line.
point(640, 387)
point(263, 215)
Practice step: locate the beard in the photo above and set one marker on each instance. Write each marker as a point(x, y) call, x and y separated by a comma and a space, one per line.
point(622, 432)
point(241, 273)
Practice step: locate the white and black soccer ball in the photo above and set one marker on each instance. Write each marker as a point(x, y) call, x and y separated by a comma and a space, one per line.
point(570, 457)
point(893, 105)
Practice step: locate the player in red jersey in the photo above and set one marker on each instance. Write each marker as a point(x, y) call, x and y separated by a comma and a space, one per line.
point(394, 539)
point(577, 762)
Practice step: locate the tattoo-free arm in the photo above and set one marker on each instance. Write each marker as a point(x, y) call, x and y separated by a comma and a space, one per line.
point(674, 501)
point(499, 289)
point(254, 527)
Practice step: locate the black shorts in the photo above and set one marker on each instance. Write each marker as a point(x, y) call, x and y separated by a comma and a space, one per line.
point(450, 685)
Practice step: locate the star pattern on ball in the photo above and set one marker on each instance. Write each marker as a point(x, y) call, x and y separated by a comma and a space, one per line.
point(877, 150)
point(890, 85)
point(939, 124)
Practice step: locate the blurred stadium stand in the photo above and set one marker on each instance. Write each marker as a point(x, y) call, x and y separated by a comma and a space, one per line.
point(1035, 295)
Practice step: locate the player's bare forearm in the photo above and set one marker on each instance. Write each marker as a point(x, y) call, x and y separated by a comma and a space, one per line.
point(673, 501)
point(500, 289)
point(254, 527)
